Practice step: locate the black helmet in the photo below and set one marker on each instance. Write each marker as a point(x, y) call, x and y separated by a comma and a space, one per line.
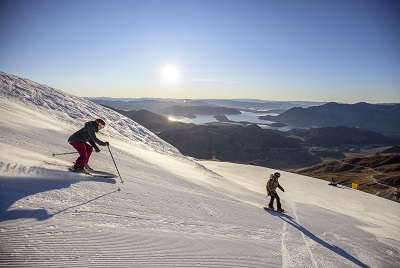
point(277, 174)
point(100, 121)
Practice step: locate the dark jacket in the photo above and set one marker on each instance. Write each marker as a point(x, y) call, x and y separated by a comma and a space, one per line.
point(87, 134)
point(272, 184)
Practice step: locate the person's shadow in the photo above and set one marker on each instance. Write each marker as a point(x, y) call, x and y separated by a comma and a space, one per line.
point(13, 189)
point(288, 219)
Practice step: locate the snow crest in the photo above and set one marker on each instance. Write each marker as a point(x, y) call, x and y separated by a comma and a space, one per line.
point(74, 111)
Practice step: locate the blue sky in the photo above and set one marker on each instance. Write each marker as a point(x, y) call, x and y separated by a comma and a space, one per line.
point(342, 50)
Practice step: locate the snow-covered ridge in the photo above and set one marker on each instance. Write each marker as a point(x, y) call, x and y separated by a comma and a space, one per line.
point(74, 111)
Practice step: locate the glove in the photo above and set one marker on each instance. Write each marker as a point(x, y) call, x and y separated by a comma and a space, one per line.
point(107, 143)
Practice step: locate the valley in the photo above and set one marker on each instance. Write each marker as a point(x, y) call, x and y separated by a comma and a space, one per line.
point(321, 152)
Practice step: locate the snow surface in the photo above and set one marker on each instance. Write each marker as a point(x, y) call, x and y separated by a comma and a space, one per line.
point(171, 211)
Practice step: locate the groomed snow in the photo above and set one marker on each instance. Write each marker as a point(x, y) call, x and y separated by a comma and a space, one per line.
point(170, 211)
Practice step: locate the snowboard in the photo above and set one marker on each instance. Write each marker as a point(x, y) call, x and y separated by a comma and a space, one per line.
point(273, 210)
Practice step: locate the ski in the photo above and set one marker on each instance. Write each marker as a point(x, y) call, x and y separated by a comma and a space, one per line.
point(99, 174)
point(93, 173)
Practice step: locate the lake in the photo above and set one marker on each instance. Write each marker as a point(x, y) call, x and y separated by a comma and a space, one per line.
point(245, 116)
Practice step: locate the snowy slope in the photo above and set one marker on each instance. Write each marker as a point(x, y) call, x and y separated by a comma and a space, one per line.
point(170, 211)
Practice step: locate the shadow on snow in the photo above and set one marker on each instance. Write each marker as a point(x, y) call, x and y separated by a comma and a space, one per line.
point(288, 219)
point(13, 189)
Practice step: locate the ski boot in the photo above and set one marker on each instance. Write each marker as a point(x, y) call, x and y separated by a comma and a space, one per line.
point(88, 168)
point(78, 170)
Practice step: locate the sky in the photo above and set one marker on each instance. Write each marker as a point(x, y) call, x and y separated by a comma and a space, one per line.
point(345, 50)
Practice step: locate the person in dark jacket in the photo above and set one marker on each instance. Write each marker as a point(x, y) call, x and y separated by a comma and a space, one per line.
point(79, 140)
point(272, 184)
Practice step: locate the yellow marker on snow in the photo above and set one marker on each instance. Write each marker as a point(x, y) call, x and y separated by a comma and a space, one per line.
point(354, 185)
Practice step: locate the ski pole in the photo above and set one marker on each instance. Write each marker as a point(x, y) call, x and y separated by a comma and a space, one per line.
point(115, 164)
point(65, 153)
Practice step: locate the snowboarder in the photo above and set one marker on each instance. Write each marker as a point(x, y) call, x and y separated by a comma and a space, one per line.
point(79, 140)
point(333, 183)
point(272, 184)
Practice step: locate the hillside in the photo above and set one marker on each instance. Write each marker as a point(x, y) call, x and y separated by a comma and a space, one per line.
point(152, 121)
point(170, 211)
point(296, 148)
point(376, 117)
point(243, 144)
point(342, 136)
point(379, 174)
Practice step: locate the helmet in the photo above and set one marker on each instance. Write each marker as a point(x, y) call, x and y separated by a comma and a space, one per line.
point(277, 174)
point(100, 122)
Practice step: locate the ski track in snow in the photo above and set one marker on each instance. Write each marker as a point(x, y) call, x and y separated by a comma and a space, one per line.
point(171, 211)
point(309, 251)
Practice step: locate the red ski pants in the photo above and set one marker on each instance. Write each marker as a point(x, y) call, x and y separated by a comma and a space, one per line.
point(84, 150)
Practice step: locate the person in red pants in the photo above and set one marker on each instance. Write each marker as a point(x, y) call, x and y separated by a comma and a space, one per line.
point(79, 140)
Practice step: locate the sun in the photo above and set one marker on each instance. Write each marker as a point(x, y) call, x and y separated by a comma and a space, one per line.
point(171, 73)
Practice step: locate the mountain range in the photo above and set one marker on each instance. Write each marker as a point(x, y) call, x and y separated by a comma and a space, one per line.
point(376, 117)
point(341, 136)
point(299, 147)
point(160, 105)
point(248, 143)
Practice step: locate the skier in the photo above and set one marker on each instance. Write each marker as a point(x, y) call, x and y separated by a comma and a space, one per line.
point(79, 140)
point(272, 184)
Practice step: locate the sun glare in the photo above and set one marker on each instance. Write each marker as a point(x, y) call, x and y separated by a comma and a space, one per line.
point(170, 73)
point(170, 118)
